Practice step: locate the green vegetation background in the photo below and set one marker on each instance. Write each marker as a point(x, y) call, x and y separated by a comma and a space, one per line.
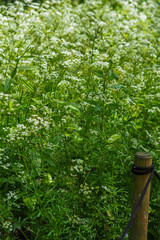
point(79, 96)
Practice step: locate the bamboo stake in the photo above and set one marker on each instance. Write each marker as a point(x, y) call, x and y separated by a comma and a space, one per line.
point(140, 223)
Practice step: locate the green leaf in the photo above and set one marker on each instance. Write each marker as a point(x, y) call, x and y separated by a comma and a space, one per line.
point(7, 84)
point(113, 138)
point(17, 225)
point(98, 73)
point(28, 86)
point(63, 83)
point(14, 72)
point(74, 108)
point(39, 102)
point(109, 214)
point(117, 86)
point(114, 75)
point(73, 126)
point(47, 178)
point(152, 232)
point(29, 56)
point(10, 104)
point(71, 105)
point(91, 102)
point(28, 67)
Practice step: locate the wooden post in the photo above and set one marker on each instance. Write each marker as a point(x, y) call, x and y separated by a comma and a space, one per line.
point(140, 223)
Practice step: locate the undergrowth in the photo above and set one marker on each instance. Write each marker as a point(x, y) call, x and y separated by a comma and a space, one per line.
point(79, 96)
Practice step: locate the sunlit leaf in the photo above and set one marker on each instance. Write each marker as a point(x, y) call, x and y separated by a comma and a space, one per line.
point(39, 102)
point(113, 138)
point(10, 104)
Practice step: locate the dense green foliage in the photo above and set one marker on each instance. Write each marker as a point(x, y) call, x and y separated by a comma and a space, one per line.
point(6, 2)
point(79, 95)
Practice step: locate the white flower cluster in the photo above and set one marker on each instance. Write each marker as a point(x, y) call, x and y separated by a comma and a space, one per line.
point(38, 122)
point(85, 190)
point(11, 195)
point(78, 167)
point(7, 225)
point(4, 159)
point(20, 132)
point(10, 199)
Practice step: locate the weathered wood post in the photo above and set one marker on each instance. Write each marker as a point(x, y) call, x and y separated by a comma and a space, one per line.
point(140, 223)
